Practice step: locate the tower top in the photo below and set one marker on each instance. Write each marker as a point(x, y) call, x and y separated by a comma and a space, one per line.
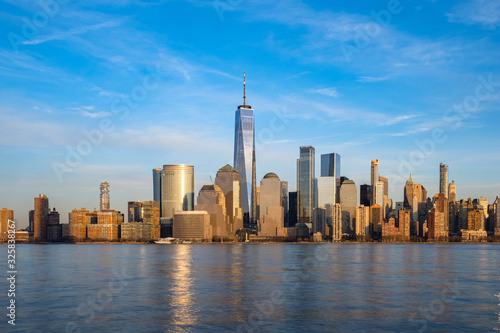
point(244, 89)
point(410, 180)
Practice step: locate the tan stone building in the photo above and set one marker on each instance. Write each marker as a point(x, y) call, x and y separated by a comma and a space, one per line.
point(211, 199)
point(192, 225)
point(228, 179)
point(5, 216)
point(272, 220)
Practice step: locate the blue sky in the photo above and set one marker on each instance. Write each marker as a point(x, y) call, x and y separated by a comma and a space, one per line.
point(412, 83)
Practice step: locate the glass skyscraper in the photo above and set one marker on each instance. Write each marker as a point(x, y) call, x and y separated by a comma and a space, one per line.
point(157, 186)
point(177, 189)
point(306, 185)
point(443, 179)
point(244, 158)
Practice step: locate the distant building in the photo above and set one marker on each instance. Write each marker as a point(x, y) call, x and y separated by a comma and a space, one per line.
point(157, 185)
point(41, 217)
point(192, 225)
point(443, 179)
point(376, 219)
point(452, 191)
point(349, 201)
point(211, 199)
point(5, 216)
point(496, 210)
point(374, 179)
point(177, 190)
point(337, 222)
point(319, 220)
point(365, 195)
point(31, 221)
point(476, 219)
point(465, 206)
point(284, 187)
point(244, 159)
point(228, 179)
point(292, 212)
point(306, 185)
point(104, 195)
point(78, 221)
point(330, 167)
point(327, 192)
point(271, 221)
point(438, 219)
point(53, 217)
point(362, 220)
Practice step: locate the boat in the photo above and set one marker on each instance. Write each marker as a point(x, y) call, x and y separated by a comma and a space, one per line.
point(167, 240)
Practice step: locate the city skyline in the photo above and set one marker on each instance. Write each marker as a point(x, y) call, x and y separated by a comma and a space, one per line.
point(64, 80)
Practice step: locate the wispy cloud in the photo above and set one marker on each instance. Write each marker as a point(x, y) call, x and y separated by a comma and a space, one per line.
point(72, 32)
point(485, 13)
point(372, 78)
point(331, 92)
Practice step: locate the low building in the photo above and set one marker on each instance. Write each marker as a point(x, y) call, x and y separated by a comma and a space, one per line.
point(103, 232)
point(474, 235)
point(192, 225)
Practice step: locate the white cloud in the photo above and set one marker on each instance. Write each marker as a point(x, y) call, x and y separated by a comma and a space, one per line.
point(372, 78)
point(331, 92)
point(485, 13)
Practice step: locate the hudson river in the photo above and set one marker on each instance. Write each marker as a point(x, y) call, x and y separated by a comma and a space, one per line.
point(256, 288)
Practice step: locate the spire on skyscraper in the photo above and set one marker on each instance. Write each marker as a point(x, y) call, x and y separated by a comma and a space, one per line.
point(244, 90)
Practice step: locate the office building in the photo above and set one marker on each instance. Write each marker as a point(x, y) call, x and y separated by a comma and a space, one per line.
point(292, 212)
point(319, 220)
point(271, 221)
point(330, 167)
point(229, 181)
point(496, 210)
point(443, 179)
point(365, 195)
point(177, 190)
point(244, 158)
point(327, 193)
point(376, 219)
point(306, 185)
point(348, 201)
point(284, 187)
point(157, 185)
point(211, 199)
point(104, 195)
point(193, 225)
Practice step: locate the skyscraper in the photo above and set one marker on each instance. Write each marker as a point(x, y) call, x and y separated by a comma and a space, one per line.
point(5, 216)
point(41, 217)
point(244, 158)
point(228, 179)
point(365, 195)
point(443, 179)
point(374, 178)
point(157, 186)
point(271, 221)
point(452, 191)
point(348, 201)
point(104, 196)
point(177, 189)
point(306, 189)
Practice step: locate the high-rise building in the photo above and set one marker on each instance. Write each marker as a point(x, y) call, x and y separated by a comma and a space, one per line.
point(228, 179)
point(211, 199)
point(337, 222)
point(443, 179)
point(271, 220)
point(385, 181)
point(319, 220)
point(292, 212)
point(306, 189)
point(104, 195)
point(53, 217)
point(193, 225)
point(177, 189)
point(41, 217)
point(496, 210)
point(157, 185)
point(330, 167)
point(349, 201)
point(31, 221)
point(476, 219)
point(452, 191)
point(412, 190)
point(375, 219)
point(365, 195)
point(379, 193)
point(5, 216)
point(244, 158)
point(284, 187)
point(327, 192)
point(362, 220)
point(374, 178)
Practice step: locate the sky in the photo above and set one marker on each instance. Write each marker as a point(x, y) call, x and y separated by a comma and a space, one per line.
point(108, 90)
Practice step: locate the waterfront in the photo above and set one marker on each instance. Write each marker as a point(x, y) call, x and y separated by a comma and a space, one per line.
point(258, 287)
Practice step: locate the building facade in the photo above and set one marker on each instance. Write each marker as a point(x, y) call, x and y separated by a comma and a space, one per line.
point(177, 189)
point(104, 196)
point(306, 184)
point(443, 179)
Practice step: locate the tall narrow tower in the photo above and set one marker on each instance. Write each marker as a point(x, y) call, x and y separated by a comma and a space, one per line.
point(443, 179)
point(244, 158)
point(374, 180)
point(306, 184)
point(104, 197)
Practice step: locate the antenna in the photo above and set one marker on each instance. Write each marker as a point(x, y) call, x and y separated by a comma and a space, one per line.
point(244, 89)
point(211, 179)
